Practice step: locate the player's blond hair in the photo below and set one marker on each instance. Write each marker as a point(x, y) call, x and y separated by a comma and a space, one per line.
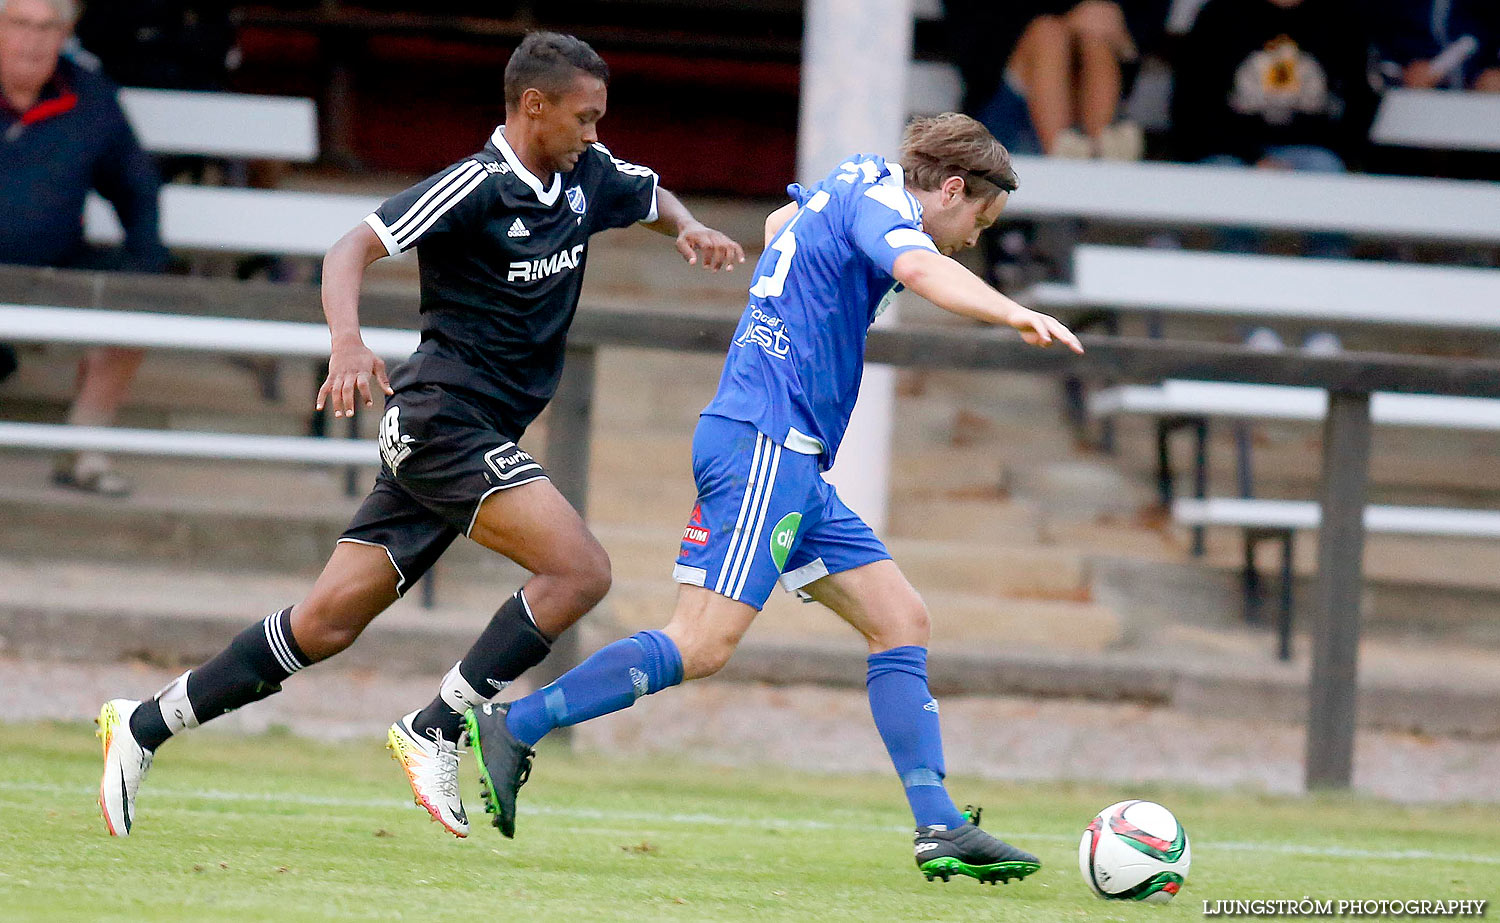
point(952, 144)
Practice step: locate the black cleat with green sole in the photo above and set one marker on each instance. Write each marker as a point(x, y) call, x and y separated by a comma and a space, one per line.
point(971, 851)
point(504, 762)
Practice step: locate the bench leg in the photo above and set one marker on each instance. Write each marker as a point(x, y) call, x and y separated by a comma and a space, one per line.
point(1250, 579)
point(1284, 615)
point(1243, 437)
point(1200, 475)
point(1165, 489)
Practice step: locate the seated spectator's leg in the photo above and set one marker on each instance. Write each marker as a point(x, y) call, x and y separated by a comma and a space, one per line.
point(1231, 240)
point(1043, 64)
point(1097, 29)
point(1308, 158)
point(104, 376)
point(1098, 85)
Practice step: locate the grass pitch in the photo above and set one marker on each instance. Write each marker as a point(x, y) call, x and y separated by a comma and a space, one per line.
point(278, 828)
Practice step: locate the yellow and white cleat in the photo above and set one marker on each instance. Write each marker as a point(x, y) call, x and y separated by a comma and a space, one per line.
point(125, 765)
point(431, 765)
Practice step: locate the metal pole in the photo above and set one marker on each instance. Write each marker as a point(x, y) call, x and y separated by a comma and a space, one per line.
point(1333, 687)
point(855, 56)
point(568, 466)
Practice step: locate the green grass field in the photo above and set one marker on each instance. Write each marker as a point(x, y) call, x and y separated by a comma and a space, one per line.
point(279, 828)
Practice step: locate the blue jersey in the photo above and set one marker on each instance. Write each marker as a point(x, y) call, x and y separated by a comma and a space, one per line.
point(794, 368)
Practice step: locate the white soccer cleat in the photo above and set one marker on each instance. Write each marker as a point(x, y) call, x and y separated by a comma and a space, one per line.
point(125, 765)
point(431, 765)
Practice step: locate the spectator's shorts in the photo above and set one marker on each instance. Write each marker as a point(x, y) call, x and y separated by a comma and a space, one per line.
point(441, 456)
point(764, 514)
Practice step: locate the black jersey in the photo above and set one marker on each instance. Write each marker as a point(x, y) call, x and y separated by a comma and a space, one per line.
point(501, 257)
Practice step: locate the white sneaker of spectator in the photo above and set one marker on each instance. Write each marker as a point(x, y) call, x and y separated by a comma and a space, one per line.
point(1122, 141)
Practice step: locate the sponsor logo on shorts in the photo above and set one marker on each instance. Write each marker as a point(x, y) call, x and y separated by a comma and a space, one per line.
point(394, 447)
point(509, 460)
point(638, 681)
point(782, 537)
point(931, 706)
point(697, 531)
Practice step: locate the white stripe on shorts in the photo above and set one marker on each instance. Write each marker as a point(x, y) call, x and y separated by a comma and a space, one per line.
point(754, 544)
point(745, 505)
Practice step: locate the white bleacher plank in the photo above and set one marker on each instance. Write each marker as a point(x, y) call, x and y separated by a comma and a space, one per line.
point(1439, 119)
point(235, 336)
point(1354, 291)
point(57, 437)
point(1193, 194)
point(1177, 397)
point(1305, 514)
point(233, 125)
point(242, 220)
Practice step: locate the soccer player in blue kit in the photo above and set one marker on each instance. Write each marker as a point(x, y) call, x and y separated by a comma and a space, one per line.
point(764, 513)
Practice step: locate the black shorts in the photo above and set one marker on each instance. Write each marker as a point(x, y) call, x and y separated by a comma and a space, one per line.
point(441, 455)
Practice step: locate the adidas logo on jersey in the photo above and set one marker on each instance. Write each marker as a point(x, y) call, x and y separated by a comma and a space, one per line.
point(518, 230)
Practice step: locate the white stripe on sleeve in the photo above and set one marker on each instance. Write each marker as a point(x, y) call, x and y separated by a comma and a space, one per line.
point(909, 237)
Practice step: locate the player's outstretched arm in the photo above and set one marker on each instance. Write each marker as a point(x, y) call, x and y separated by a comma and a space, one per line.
point(947, 284)
point(693, 236)
point(351, 364)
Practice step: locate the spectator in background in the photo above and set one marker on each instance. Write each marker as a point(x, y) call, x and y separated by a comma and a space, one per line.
point(1438, 44)
point(171, 44)
point(1276, 84)
point(62, 134)
point(1048, 76)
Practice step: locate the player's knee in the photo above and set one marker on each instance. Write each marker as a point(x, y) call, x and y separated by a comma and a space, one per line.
point(908, 624)
point(319, 628)
point(593, 577)
point(705, 653)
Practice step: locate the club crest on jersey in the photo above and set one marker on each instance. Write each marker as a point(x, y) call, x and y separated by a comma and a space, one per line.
point(576, 200)
point(697, 531)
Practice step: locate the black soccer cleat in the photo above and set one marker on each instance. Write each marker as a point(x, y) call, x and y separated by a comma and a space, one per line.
point(504, 762)
point(970, 851)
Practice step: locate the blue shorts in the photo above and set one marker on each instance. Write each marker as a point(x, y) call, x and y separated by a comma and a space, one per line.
point(764, 513)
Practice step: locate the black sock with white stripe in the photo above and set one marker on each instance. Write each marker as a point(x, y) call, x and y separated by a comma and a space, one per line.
point(510, 645)
point(251, 668)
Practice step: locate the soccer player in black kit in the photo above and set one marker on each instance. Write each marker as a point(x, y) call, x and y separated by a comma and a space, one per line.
point(501, 240)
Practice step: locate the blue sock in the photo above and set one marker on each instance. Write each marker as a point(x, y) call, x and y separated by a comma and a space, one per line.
point(906, 716)
point(612, 679)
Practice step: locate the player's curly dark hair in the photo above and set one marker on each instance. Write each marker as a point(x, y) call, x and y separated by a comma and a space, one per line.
point(548, 61)
point(953, 144)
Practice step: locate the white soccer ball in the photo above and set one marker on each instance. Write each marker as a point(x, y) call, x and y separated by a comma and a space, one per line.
point(1134, 851)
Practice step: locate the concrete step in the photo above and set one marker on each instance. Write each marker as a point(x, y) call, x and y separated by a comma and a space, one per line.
point(96, 614)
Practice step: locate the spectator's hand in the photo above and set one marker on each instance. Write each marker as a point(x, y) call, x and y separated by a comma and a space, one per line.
point(1419, 75)
point(1488, 80)
point(1104, 21)
point(350, 369)
point(719, 251)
